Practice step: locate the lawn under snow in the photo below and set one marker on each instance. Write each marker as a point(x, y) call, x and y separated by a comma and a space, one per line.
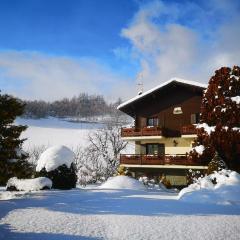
point(96, 213)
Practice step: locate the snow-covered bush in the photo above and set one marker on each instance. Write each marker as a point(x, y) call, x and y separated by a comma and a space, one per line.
point(216, 164)
point(57, 163)
point(123, 182)
point(35, 184)
point(219, 187)
point(193, 175)
point(106, 145)
point(123, 171)
point(89, 166)
point(34, 153)
point(87, 176)
point(100, 159)
point(151, 183)
point(147, 182)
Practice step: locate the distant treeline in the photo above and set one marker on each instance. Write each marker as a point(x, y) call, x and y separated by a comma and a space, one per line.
point(84, 105)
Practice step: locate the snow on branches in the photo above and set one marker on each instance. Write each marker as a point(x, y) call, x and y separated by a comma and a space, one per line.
point(219, 126)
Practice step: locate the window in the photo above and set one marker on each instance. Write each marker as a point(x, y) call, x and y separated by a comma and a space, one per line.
point(152, 121)
point(177, 110)
point(195, 117)
point(155, 149)
point(152, 149)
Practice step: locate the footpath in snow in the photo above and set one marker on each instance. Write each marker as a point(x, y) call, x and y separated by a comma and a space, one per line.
point(98, 213)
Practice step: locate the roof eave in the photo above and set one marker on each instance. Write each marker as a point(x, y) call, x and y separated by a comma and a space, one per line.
point(178, 80)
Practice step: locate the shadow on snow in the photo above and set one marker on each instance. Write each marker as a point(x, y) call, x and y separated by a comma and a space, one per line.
point(120, 202)
point(6, 233)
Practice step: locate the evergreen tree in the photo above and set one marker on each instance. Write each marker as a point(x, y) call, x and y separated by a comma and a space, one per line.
point(62, 177)
point(216, 164)
point(12, 158)
point(220, 119)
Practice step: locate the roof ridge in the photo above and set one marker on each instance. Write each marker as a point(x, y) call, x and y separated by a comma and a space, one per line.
point(180, 80)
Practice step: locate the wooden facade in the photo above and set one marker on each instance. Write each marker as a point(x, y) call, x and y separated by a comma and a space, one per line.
point(165, 117)
point(161, 104)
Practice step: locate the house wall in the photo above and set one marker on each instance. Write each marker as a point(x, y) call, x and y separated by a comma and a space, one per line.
point(172, 121)
point(161, 104)
point(177, 177)
point(184, 145)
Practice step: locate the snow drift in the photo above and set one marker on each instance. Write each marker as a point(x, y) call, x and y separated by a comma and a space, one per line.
point(35, 184)
point(54, 157)
point(123, 182)
point(221, 187)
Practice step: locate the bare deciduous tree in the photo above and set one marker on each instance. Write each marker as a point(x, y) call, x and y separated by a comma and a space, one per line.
point(34, 153)
point(107, 144)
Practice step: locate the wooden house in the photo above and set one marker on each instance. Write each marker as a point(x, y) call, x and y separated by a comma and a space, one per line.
point(164, 130)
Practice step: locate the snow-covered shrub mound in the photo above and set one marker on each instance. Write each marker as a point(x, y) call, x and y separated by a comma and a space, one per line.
point(57, 163)
point(220, 187)
point(54, 157)
point(123, 182)
point(152, 184)
point(36, 184)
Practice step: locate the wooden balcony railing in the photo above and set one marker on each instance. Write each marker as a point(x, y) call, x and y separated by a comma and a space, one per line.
point(145, 131)
point(158, 131)
point(188, 130)
point(140, 159)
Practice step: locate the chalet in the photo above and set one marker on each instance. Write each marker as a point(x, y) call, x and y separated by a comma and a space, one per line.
point(164, 130)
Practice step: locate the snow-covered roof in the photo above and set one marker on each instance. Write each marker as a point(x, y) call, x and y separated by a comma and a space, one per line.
point(178, 80)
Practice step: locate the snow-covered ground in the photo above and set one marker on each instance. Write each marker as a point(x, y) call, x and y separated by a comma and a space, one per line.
point(53, 131)
point(95, 213)
point(100, 213)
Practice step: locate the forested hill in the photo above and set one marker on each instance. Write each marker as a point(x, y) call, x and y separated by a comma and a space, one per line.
point(83, 106)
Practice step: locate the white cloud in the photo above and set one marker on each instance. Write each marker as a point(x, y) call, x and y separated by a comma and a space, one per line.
point(184, 40)
point(38, 76)
point(168, 39)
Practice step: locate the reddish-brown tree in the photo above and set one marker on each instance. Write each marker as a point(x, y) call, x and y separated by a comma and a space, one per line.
point(221, 112)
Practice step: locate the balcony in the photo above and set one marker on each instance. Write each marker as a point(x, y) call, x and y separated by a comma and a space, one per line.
point(188, 130)
point(145, 131)
point(140, 159)
point(158, 131)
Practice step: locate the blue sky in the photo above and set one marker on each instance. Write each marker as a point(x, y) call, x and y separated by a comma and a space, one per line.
point(64, 27)
point(74, 28)
point(52, 49)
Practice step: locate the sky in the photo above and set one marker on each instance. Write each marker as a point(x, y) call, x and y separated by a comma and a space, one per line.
point(61, 48)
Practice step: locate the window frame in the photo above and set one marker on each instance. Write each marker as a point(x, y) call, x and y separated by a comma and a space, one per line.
point(154, 121)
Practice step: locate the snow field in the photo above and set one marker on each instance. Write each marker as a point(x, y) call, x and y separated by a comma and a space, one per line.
point(52, 131)
point(125, 226)
point(116, 214)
